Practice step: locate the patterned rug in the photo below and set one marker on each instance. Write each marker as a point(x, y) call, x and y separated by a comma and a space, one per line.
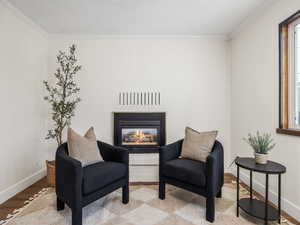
point(144, 208)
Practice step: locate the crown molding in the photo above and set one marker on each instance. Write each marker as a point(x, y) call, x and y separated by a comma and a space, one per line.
point(26, 20)
point(252, 17)
point(96, 37)
point(227, 37)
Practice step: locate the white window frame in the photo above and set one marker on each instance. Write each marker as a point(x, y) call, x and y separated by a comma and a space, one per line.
point(292, 77)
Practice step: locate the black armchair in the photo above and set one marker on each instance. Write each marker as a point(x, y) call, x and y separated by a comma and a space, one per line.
point(78, 186)
point(205, 179)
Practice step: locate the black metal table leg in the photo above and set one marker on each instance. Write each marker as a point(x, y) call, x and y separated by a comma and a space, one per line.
point(251, 195)
point(267, 198)
point(238, 190)
point(279, 198)
point(259, 208)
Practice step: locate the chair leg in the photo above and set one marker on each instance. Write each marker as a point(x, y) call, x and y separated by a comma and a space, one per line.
point(219, 195)
point(60, 205)
point(210, 209)
point(125, 194)
point(77, 216)
point(162, 190)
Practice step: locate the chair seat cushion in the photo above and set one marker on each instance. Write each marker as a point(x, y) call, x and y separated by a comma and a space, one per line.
point(100, 174)
point(186, 170)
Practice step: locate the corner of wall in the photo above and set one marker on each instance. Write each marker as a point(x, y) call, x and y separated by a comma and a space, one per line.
point(250, 18)
point(24, 18)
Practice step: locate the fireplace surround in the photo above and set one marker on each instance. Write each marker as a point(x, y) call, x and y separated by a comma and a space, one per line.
point(140, 132)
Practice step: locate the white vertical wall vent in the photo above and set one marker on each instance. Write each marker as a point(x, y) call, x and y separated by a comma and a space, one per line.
point(139, 98)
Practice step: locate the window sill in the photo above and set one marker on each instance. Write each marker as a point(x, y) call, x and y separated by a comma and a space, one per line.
point(288, 132)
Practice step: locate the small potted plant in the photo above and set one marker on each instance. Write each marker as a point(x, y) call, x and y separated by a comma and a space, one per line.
point(261, 144)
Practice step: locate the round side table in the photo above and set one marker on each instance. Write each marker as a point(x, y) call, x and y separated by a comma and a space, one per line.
point(254, 207)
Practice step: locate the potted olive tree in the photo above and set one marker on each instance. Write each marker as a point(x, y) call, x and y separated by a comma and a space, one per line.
point(63, 99)
point(261, 144)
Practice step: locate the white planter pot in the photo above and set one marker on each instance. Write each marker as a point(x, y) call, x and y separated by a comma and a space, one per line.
point(261, 158)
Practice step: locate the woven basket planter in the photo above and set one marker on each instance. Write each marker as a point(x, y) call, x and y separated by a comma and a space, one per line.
point(261, 158)
point(51, 172)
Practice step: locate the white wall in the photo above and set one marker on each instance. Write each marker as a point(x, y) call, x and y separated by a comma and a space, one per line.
point(192, 75)
point(23, 66)
point(255, 96)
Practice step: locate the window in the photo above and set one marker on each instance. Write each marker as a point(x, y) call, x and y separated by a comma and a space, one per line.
point(289, 70)
point(294, 71)
point(297, 74)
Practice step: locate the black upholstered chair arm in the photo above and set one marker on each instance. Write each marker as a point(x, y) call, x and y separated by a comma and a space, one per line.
point(68, 177)
point(215, 169)
point(171, 151)
point(113, 153)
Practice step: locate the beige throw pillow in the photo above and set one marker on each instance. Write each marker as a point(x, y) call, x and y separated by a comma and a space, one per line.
point(198, 145)
point(84, 149)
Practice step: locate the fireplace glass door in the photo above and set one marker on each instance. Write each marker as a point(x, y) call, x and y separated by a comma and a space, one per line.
point(139, 136)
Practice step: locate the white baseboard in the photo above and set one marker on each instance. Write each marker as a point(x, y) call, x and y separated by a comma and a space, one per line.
point(289, 207)
point(21, 185)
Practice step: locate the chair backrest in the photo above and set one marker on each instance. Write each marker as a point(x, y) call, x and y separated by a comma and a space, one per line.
point(217, 144)
point(63, 149)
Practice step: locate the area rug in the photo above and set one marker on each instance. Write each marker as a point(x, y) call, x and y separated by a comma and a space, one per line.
point(179, 208)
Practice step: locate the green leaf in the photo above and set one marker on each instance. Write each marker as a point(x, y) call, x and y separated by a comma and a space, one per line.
point(62, 96)
point(261, 143)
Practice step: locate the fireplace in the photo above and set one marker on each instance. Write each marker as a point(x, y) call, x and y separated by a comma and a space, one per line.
point(140, 132)
point(139, 136)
